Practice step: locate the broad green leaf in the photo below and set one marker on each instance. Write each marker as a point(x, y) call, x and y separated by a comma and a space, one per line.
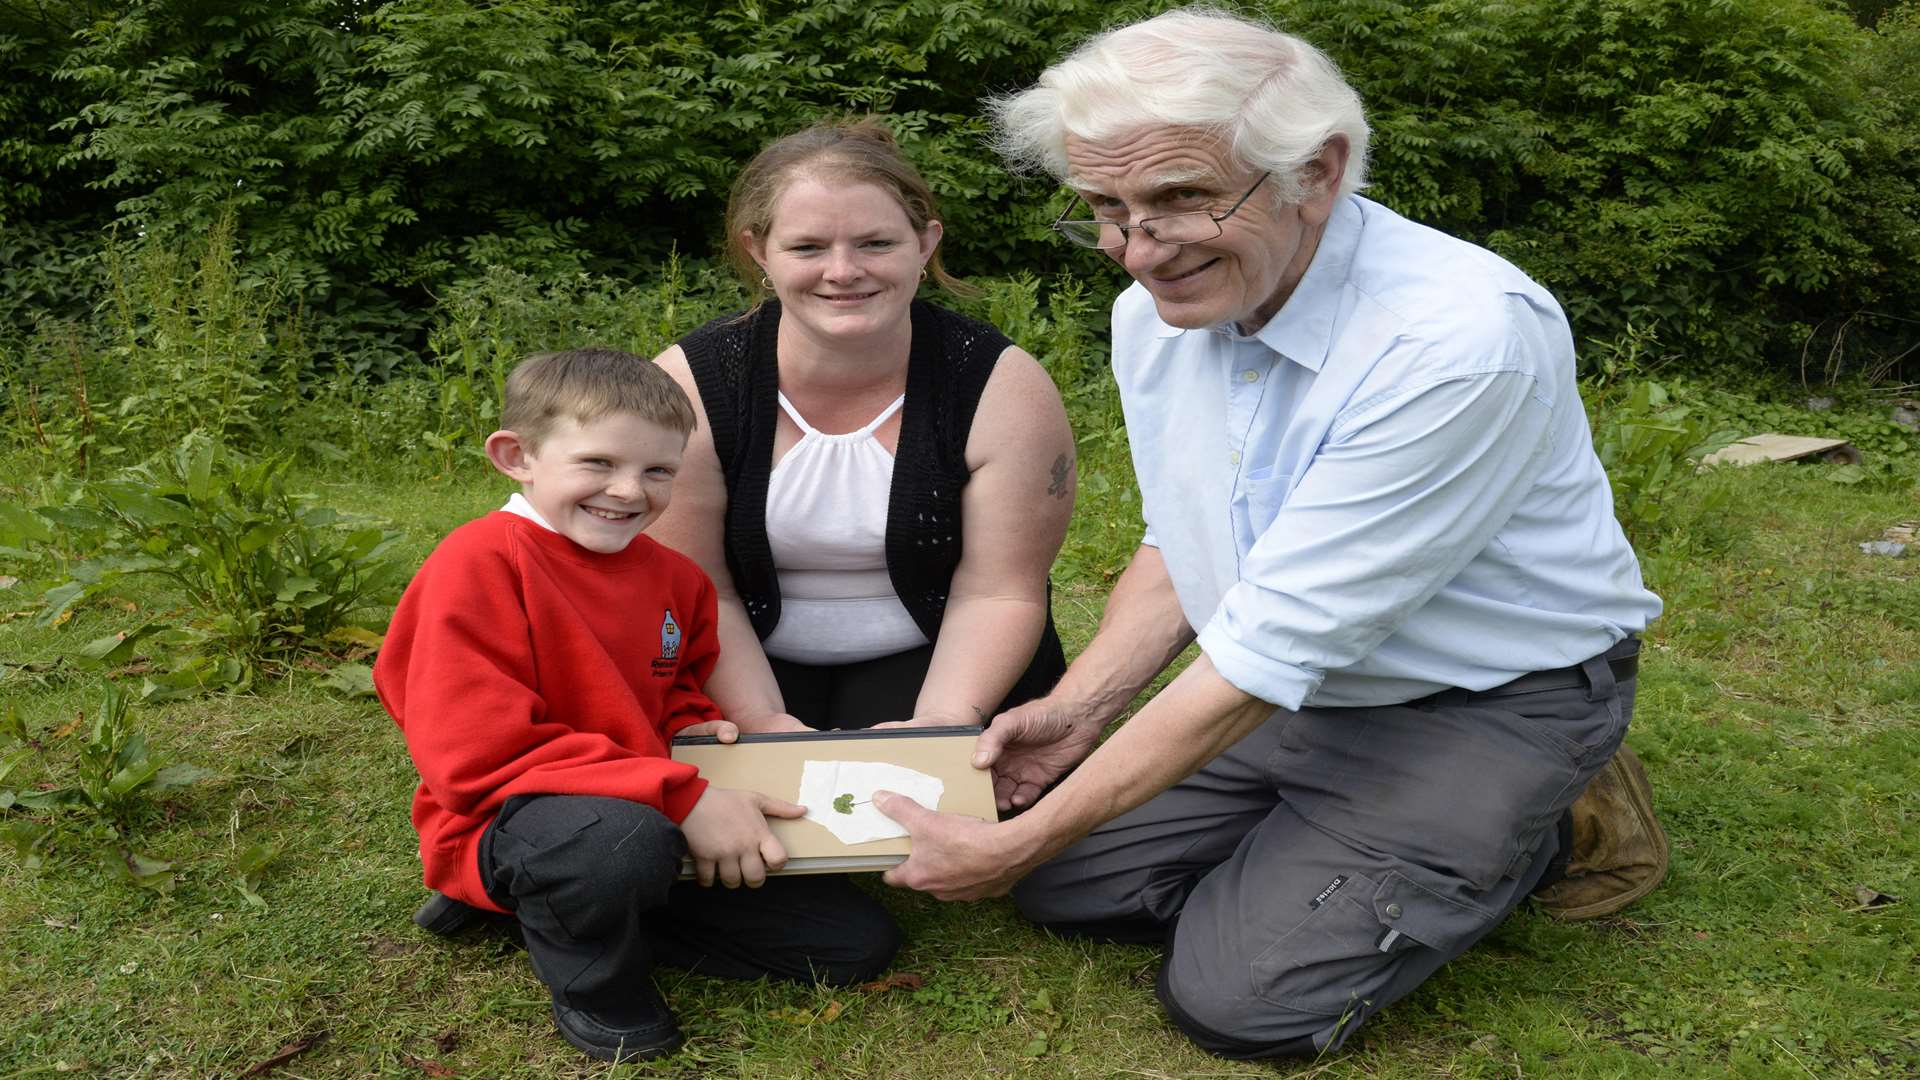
point(200, 469)
point(260, 536)
point(133, 776)
point(107, 715)
point(252, 865)
point(58, 600)
point(145, 509)
point(172, 686)
point(125, 864)
point(355, 635)
point(256, 858)
point(108, 567)
point(196, 675)
point(76, 518)
point(291, 588)
point(133, 751)
point(352, 680)
point(115, 648)
point(146, 866)
point(21, 526)
point(319, 516)
point(50, 800)
point(27, 839)
point(362, 542)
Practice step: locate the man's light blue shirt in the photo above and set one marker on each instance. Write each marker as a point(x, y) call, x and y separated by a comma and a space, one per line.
point(1388, 490)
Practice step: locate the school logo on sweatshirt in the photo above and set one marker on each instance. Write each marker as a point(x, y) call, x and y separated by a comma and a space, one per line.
point(669, 658)
point(669, 637)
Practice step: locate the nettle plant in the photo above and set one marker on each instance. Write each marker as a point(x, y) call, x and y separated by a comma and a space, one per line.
point(101, 784)
point(265, 573)
point(1651, 447)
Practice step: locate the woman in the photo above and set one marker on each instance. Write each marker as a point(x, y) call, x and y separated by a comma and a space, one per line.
point(880, 485)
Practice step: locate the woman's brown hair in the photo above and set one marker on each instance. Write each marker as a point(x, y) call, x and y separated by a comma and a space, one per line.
point(847, 151)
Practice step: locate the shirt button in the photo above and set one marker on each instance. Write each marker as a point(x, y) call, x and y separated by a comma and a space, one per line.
point(1234, 457)
point(1249, 375)
point(1393, 911)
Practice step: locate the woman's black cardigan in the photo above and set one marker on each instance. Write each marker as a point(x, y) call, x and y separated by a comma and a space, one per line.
point(733, 360)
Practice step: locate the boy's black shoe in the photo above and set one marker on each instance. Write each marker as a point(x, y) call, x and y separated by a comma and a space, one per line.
point(445, 916)
point(648, 1036)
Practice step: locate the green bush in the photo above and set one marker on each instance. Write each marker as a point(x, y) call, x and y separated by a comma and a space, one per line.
point(265, 573)
point(1890, 453)
point(1727, 173)
point(1740, 176)
point(187, 339)
point(1651, 447)
point(36, 184)
point(485, 325)
point(419, 142)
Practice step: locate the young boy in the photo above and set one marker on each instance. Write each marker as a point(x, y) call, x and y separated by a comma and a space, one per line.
point(539, 665)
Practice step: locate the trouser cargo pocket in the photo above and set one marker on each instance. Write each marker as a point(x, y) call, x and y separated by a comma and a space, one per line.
point(1346, 952)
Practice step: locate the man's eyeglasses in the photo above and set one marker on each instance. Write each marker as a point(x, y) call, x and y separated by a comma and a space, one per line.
point(1188, 228)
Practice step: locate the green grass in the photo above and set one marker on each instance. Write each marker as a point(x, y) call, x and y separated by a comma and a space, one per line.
point(1779, 716)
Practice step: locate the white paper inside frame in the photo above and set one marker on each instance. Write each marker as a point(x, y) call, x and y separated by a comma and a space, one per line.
point(821, 782)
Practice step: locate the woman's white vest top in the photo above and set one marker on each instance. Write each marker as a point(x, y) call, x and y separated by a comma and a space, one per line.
point(827, 526)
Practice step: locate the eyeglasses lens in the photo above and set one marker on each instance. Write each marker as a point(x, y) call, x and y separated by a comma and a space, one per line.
point(1182, 228)
point(1171, 229)
point(1093, 234)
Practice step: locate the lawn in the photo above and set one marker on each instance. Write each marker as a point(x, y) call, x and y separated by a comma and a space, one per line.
point(1779, 717)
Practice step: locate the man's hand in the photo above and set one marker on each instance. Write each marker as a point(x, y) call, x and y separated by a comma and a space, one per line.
point(727, 836)
point(1031, 746)
point(955, 857)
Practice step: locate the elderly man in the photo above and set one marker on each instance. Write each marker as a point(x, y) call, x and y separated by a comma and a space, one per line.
point(1371, 493)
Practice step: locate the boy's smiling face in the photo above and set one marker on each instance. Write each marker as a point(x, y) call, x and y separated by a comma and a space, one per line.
point(598, 484)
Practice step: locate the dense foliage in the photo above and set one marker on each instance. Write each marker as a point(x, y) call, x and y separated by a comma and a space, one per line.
point(1719, 170)
point(1736, 178)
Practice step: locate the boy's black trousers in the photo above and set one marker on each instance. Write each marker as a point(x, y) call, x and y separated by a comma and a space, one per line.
point(594, 884)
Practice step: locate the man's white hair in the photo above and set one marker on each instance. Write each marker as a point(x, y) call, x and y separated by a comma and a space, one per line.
point(1272, 98)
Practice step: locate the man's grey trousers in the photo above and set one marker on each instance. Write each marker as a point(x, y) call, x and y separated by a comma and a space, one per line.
point(1326, 864)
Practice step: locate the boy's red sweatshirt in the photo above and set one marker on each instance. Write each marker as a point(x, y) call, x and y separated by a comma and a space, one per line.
point(520, 663)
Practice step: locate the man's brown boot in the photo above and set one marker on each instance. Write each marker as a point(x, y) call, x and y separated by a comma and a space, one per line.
point(1619, 850)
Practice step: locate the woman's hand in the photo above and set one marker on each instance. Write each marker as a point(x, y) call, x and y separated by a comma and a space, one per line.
point(727, 836)
point(934, 720)
point(767, 722)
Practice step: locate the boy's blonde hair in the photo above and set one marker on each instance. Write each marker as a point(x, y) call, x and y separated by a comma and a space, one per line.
point(586, 384)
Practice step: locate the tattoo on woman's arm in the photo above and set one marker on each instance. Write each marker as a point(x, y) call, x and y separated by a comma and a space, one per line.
point(1062, 485)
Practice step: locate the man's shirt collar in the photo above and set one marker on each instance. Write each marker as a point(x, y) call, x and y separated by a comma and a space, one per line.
point(1302, 330)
